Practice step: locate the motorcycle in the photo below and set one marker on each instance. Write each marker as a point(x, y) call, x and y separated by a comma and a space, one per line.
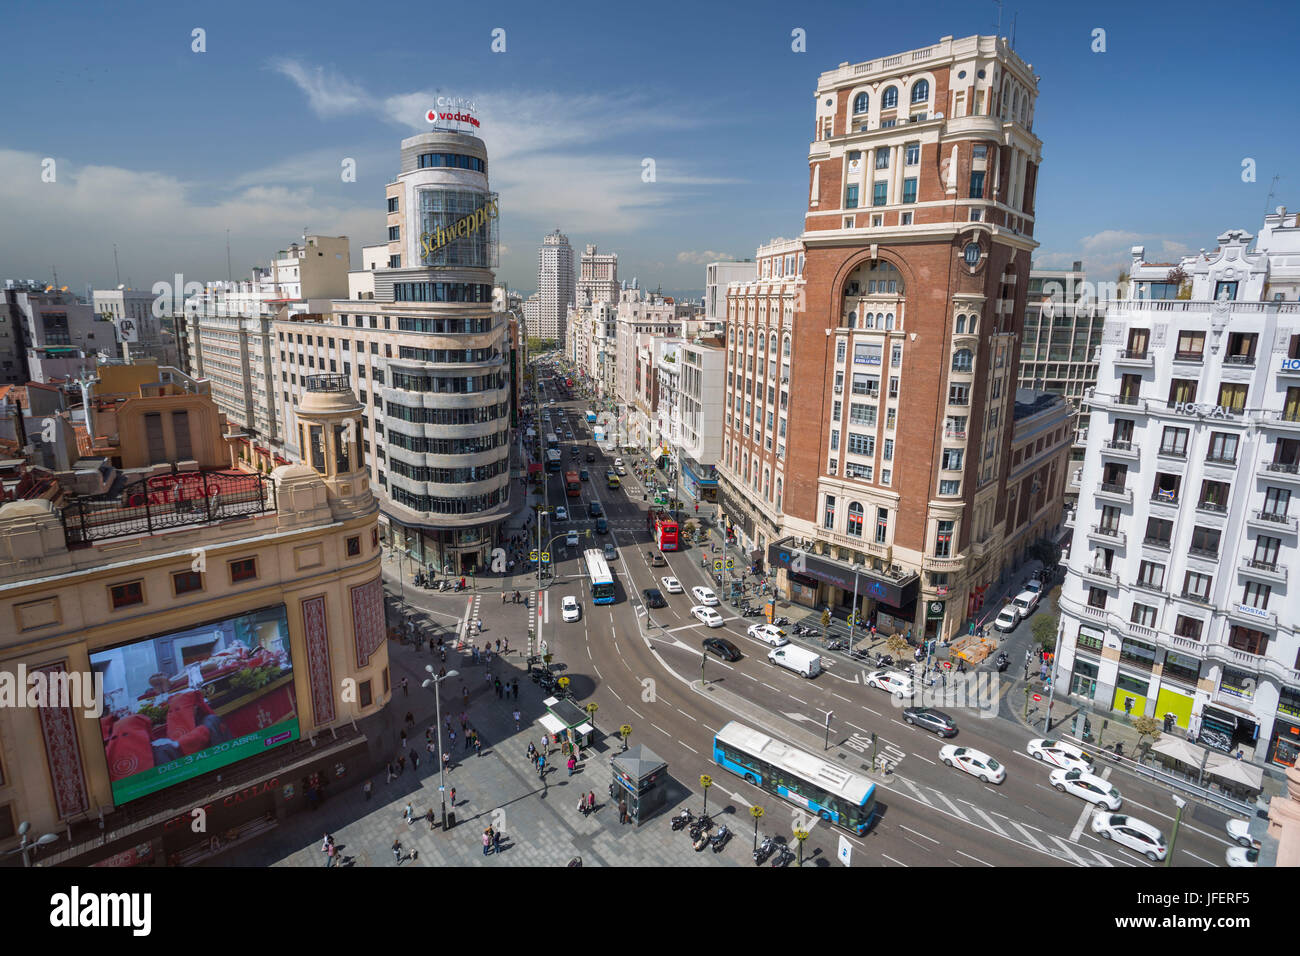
point(884, 660)
point(764, 850)
point(701, 841)
point(781, 621)
point(419, 579)
point(783, 855)
point(839, 644)
point(719, 839)
point(701, 825)
point(1002, 662)
point(682, 819)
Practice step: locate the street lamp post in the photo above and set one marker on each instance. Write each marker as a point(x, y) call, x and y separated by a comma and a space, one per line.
point(26, 846)
point(1051, 689)
point(705, 781)
point(434, 680)
point(829, 715)
point(625, 732)
point(853, 620)
point(801, 835)
point(1173, 836)
point(757, 813)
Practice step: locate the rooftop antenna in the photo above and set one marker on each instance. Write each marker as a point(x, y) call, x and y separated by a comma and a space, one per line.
point(230, 274)
point(998, 4)
point(117, 268)
point(1272, 189)
point(1014, 17)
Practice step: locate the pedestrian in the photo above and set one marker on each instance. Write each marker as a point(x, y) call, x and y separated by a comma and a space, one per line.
point(401, 764)
point(429, 818)
point(390, 772)
point(410, 720)
point(571, 764)
point(409, 813)
point(497, 684)
point(415, 760)
point(397, 851)
point(478, 746)
point(515, 715)
point(365, 789)
point(469, 740)
point(432, 753)
point(591, 801)
point(405, 692)
point(515, 687)
point(403, 739)
point(507, 645)
point(496, 842)
point(453, 796)
point(487, 841)
point(452, 735)
point(464, 721)
point(446, 762)
point(622, 810)
point(498, 647)
point(503, 597)
point(541, 766)
point(330, 854)
point(473, 653)
point(532, 753)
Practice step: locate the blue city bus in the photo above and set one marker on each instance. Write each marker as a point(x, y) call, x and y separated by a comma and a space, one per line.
point(591, 417)
point(602, 582)
point(838, 796)
point(553, 462)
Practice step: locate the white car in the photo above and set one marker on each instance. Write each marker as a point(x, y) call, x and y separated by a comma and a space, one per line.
point(569, 608)
point(1132, 833)
point(1088, 786)
point(672, 585)
point(706, 615)
point(561, 513)
point(768, 634)
point(618, 462)
point(891, 682)
point(1239, 830)
point(1242, 856)
point(705, 596)
point(1059, 754)
point(1007, 619)
point(974, 762)
point(1026, 603)
point(1035, 585)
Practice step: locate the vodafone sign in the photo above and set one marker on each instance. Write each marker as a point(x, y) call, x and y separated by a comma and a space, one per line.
point(453, 109)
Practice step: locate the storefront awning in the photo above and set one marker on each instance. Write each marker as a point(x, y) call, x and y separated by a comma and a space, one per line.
point(1228, 768)
point(1180, 750)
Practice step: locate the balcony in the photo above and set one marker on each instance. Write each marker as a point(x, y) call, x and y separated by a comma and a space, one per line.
point(1239, 361)
point(1281, 418)
point(1161, 543)
point(1271, 520)
point(1220, 461)
point(1253, 616)
point(1167, 451)
point(1268, 570)
point(1279, 470)
point(1197, 357)
point(1167, 498)
point(1114, 493)
point(1212, 508)
point(1101, 575)
point(1108, 534)
point(960, 435)
point(1118, 448)
point(930, 563)
point(1151, 586)
point(1069, 520)
point(1130, 399)
point(980, 549)
point(1130, 357)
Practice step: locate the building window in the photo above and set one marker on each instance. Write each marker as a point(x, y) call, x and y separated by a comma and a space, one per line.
point(1248, 640)
point(943, 539)
point(905, 219)
point(394, 233)
point(125, 595)
point(1173, 442)
point(921, 91)
point(882, 525)
point(1097, 597)
point(354, 546)
point(245, 569)
point(1191, 346)
point(1223, 448)
point(828, 515)
point(949, 487)
point(1143, 614)
point(392, 204)
point(977, 184)
point(912, 154)
point(951, 459)
point(909, 190)
point(854, 527)
point(1225, 290)
point(364, 693)
point(1197, 586)
point(186, 582)
point(860, 103)
point(394, 262)
point(1151, 575)
point(1188, 627)
point(851, 197)
point(1232, 396)
point(889, 99)
point(879, 195)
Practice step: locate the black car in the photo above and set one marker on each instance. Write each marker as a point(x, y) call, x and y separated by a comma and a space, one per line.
point(591, 456)
point(930, 719)
point(653, 598)
point(595, 509)
point(722, 647)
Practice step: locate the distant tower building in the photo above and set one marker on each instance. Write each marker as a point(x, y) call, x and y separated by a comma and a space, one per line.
point(555, 286)
point(598, 276)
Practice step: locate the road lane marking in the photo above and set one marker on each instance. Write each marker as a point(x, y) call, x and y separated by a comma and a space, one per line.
point(993, 824)
point(1079, 824)
point(1201, 858)
point(691, 749)
point(638, 716)
point(597, 670)
point(684, 714)
point(920, 794)
point(926, 759)
point(615, 693)
point(886, 856)
point(660, 729)
point(770, 687)
point(797, 700)
point(955, 811)
point(711, 730)
point(975, 858)
point(841, 697)
point(1028, 836)
point(857, 728)
point(921, 835)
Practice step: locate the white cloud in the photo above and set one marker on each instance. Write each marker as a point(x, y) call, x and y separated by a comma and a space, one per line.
point(1109, 238)
point(328, 94)
point(702, 258)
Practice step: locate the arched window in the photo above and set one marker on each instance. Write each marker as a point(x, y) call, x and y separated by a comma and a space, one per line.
point(889, 99)
point(778, 494)
point(761, 341)
point(860, 103)
point(855, 519)
point(870, 322)
point(921, 91)
point(767, 483)
point(971, 330)
point(771, 344)
point(750, 338)
point(853, 319)
point(962, 360)
point(889, 321)
point(961, 324)
point(785, 346)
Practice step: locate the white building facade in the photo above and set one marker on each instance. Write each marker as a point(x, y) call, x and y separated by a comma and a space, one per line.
point(555, 286)
point(1177, 599)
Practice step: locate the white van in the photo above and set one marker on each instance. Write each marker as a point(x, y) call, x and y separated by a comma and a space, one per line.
point(1026, 603)
point(802, 662)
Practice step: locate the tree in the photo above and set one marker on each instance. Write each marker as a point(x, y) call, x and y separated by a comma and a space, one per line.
point(898, 648)
point(1147, 727)
point(1178, 277)
point(1044, 630)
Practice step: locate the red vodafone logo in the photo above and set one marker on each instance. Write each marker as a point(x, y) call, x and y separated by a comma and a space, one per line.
point(431, 116)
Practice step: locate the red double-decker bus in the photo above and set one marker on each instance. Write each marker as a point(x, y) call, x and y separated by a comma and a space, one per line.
point(572, 484)
point(666, 533)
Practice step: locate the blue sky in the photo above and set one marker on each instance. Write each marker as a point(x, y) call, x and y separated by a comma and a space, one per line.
point(161, 149)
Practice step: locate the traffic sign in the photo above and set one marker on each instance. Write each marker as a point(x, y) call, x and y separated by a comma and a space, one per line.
point(717, 564)
point(846, 851)
point(546, 557)
point(730, 563)
point(1038, 697)
point(532, 555)
point(947, 664)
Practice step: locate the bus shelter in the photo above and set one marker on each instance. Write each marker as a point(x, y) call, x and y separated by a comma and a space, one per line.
point(639, 778)
point(565, 720)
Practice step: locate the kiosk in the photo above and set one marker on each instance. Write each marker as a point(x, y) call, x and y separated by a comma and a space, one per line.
point(565, 720)
point(639, 775)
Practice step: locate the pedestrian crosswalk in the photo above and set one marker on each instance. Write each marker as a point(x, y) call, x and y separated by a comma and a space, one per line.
point(1002, 825)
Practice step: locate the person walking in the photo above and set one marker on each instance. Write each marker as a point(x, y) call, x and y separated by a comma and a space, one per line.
point(572, 762)
point(446, 762)
point(453, 797)
point(468, 738)
point(409, 813)
point(397, 851)
point(515, 715)
point(514, 684)
point(591, 801)
point(390, 764)
point(331, 854)
point(496, 842)
point(487, 841)
point(415, 760)
point(403, 739)
point(503, 597)
point(405, 691)
point(541, 766)
point(365, 789)
point(478, 745)
point(498, 647)
point(452, 735)
point(430, 819)
point(622, 810)
point(401, 764)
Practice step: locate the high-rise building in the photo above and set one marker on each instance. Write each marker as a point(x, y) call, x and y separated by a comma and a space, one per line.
point(555, 286)
point(51, 335)
point(1177, 603)
point(428, 358)
point(598, 276)
point(139, 330)
point(717, 277)
point(900, 342)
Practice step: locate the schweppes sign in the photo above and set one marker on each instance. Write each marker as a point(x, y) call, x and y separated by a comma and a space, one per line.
point(467, 226)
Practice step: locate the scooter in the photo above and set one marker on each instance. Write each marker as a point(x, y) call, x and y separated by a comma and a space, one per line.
point(783, 855)
point(838, 644)
point(781, 621)
point(720, 838)
point(884, 660)
point(419, 579)
point(764, 850)
point(701, 841)
point(701, 825)
point(682, 819)
point(1002, 662)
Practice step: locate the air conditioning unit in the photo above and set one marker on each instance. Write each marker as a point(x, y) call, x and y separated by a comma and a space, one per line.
point(839, 389)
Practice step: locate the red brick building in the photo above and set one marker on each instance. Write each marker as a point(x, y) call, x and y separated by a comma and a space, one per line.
point(871, 393)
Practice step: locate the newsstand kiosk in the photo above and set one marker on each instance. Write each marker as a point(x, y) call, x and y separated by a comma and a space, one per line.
point(638, 772)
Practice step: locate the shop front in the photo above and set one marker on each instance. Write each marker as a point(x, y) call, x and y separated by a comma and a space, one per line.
point(1226, 728)
point(833, 583)
point(700, 481)
point(1284, 748)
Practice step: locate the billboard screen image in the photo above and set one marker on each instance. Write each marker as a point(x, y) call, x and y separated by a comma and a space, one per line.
point(186, 703)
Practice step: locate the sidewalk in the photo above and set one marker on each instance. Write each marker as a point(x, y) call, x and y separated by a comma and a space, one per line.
point(539, 820)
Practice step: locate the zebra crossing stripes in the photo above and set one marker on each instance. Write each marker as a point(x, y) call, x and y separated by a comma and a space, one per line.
point(988, 820)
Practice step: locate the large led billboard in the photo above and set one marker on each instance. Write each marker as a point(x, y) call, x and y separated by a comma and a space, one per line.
point(195, 700)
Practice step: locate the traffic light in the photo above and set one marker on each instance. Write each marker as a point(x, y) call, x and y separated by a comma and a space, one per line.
point(826, 618)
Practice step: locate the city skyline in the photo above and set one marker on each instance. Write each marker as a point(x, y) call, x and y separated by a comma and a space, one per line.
point(570, 151)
